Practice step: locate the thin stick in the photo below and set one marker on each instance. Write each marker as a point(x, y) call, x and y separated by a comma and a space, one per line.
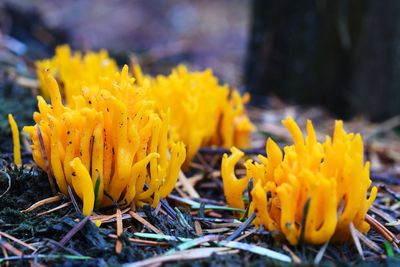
point(10, 248)
point(118, 244)
point(54, 209)
point(71, 196)
point(188, 186)
point(16, 240)
point(43, 202)
point(389, 236)
point(143, 221)
point(73, 231)
point(9, 182)
point(296, 259)
point(197, 228)
point(356, 240)
point(142, 241)
point(240, 229)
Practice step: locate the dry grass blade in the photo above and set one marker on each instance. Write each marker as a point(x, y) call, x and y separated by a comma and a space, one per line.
point(5, 253)
point(256, 250)
point(73, 231)
point(16, 240)
point(141, 241)
point(245, 235)
point(384, 127)
point(10, 248)
point(321, 253)
point(194, 242)
point(356, 240)
point(43, 202)
point(71, 196)
point(9, 182)
point(197, 228)
point(369, 243)
point(140, 219)
point(187, 185)
point(54, 209)
point(191, 254)
point(109, 218)
point(382, 214)
point(244, 225)
point(389, 236)
point(296, 259)
point(118, 244)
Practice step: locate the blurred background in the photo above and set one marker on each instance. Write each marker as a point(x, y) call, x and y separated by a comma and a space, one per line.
point(341, 55)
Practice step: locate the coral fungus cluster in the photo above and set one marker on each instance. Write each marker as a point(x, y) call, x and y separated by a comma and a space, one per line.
point(203, 112)
point(74, 70)
point(108, 144)
point(313, 190)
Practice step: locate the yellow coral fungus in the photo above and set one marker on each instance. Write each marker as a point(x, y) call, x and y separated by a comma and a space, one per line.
point(108, 145)
point(202, 112)
point(318, 189)
point(15, 136)
point(75, 69)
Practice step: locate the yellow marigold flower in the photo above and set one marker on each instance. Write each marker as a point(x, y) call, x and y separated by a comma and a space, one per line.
point(312, 187)
point(109, 144)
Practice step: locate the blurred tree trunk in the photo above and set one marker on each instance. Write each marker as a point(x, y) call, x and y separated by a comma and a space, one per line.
point(339, 54)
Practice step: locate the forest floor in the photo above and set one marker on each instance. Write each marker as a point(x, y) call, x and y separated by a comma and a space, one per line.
point(191, 227)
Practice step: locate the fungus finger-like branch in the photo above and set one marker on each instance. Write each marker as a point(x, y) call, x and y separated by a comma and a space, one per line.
point(46, 161)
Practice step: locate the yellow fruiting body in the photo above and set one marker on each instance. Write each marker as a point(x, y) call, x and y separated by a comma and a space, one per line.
point(16, 142)
point(202, 112)
point(109, 144)
point(74, 70)
point(315, 188)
